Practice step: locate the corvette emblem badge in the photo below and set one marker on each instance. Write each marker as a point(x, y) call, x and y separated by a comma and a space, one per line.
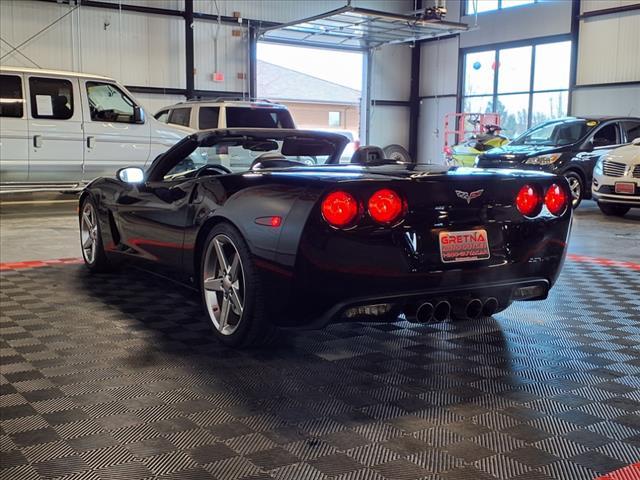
point(468, 196)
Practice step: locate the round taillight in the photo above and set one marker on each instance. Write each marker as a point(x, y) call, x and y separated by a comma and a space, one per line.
point(339, 208)
point(529, 201)
point(556, 200)
point(385, 206)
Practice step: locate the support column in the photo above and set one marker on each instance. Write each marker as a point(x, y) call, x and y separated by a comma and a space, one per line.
point(253, 61)
point(414, 102)
point(188, 43)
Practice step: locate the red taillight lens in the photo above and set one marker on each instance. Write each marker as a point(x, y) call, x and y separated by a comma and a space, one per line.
point(385, 206)
point(339, 208)
point(556, 200)
point(529, 201)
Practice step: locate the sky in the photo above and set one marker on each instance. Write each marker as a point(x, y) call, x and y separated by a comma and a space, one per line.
point(344, 68)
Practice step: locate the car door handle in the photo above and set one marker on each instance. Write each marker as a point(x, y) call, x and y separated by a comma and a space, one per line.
point(91, 142)
point(37, 141)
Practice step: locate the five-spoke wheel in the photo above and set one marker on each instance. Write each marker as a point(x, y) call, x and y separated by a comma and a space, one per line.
point(89, 232)
point(224, 284)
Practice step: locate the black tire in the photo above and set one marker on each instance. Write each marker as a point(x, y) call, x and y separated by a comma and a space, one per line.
point(613, 210)
point(576, 187)
point(397, 152)
point(253, 326)
point(95, 260)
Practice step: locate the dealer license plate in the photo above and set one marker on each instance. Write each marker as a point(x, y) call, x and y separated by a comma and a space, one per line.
point(464, 246)
point(625, 187)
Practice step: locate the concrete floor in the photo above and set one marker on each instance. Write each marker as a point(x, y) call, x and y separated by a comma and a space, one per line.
point(39, 227)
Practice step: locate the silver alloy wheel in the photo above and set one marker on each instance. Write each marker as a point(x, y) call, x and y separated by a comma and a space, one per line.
point(576, 189)
point(223, 284)
point(89, 233)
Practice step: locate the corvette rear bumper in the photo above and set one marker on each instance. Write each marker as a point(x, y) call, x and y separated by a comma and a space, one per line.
point(506, 292)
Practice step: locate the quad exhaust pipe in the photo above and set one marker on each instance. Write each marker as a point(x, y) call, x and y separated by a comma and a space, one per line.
point(428, 312)
point(424, 314)
point(440, 311)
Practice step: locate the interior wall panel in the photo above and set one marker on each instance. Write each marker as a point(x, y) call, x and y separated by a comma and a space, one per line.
point(439, 67)
point(431, 128)
point(608, 49)
point(593, 5)
point(389, 125)
point(391, 73)
point(611, 100)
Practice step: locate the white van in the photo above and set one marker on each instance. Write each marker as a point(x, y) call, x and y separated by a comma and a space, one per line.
point(59, 130)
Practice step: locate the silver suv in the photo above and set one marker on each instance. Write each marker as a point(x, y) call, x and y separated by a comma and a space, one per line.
point(225, 113)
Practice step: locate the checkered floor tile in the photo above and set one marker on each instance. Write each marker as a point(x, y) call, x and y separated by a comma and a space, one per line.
point(115, 377)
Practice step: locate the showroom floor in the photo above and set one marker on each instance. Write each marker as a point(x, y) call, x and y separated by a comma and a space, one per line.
point(114, 376)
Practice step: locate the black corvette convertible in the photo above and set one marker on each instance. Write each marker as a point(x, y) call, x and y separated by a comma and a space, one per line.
point(277, 233)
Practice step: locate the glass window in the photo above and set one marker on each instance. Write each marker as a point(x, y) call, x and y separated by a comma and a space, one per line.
point(514, 3)
point(552, 66)
point(239, 117)
point(180, 116)
point(162, 116)
point(107, 103)
point(208, 117)
point(514, 70)
point(334, 119)
point(11, 99)
point(631, 129)
point(562, 132)
point(605, 136)
point(51, 98)
point(478, 6)
point(514, 113)
point(479, 71)
point(548, 105)
point(478, 104)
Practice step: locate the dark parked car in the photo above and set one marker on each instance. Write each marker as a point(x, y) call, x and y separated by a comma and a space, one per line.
point(567, 146)
point(300, 240)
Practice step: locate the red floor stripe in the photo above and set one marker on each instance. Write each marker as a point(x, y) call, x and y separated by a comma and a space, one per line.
point(632, 472)
point(573, 257)
point(38, 263)
point(604, 261)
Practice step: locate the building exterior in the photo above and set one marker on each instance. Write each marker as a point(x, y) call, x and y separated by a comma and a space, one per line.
point(313, 102)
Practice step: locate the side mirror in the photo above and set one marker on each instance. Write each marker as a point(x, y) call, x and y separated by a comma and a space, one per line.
point(138, 114)
point(588, 147)
point(130, 175)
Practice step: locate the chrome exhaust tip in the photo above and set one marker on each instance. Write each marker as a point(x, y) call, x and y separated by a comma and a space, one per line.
point(490, 306)
point(473, 308)
point(424, 314)
point(441, 311)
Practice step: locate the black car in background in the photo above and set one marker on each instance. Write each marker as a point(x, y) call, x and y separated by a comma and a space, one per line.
point(567, 146)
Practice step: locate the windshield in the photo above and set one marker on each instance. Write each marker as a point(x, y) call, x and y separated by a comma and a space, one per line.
point(556, 133)
point(242, 117)
point(240, 154)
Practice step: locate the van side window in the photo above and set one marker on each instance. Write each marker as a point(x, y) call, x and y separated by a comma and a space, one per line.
point(180, 116)
point(107, 103)
point(51, 98)
point(11, 101)
point(162, 116)
point(632, 130)
point(208, 117)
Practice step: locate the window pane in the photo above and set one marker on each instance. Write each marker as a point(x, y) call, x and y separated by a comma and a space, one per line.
point(238, 117)
point(514, 111)
point(162, 116)
point(477, 6)
point(552, 66)
point(479, 71)
point(514, 3)
point(109, 104)
point(51, 98)
point(180, 116)
point(477, 104)
point(632, 130)
point(514, 70)
point(208, 117)
point(11, 101)
point(548, 106)
point(334, 119)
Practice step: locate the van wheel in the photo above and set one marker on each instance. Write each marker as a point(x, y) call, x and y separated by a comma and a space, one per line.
point(613, 210)
point(231, 290)
point(576, 187)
